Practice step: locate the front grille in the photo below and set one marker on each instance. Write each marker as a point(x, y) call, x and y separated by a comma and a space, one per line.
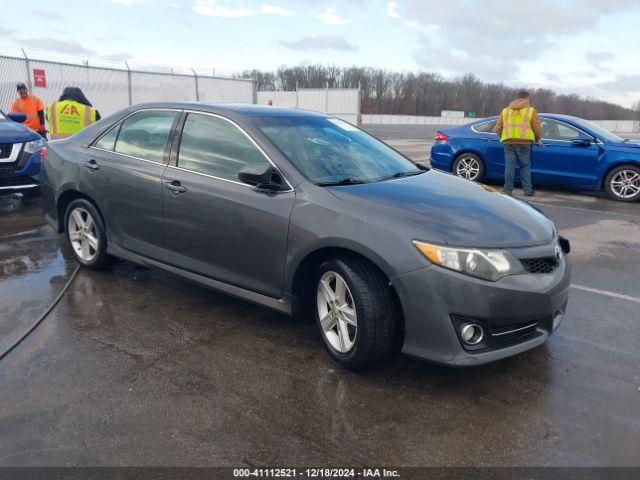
point(539, 265)
point(5, 150)
point(17, 181)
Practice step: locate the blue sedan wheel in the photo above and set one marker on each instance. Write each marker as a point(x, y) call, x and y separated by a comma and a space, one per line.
point(469, 166)
point(623, 183)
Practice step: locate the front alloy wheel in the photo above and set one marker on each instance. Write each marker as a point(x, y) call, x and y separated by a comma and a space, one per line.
point(623, 183)
point(337, 312)
point(356, 311)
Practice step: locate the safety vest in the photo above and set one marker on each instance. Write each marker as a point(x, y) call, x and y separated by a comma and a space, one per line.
point(68, 117)
point(517, 124)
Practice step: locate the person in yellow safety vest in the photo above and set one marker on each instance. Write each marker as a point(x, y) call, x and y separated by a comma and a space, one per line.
point(518, 127)
point(70, 114)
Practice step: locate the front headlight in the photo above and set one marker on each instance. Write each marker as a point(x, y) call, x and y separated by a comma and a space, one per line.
point(35, 145)
point(486, 264)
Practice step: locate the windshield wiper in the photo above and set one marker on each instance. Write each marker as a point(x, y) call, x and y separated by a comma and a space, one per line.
point(343, 181)
point(410, 173)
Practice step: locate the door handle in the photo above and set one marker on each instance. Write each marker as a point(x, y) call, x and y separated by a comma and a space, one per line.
point(174, 186)
point(490, 139)
point(92, 165)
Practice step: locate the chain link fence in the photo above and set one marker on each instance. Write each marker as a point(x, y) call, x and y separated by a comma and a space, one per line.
point(111, 88)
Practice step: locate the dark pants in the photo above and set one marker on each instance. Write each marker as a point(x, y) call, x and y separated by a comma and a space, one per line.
point(522, 155)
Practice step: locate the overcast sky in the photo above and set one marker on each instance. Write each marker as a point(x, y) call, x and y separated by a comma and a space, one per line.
point(590, 47)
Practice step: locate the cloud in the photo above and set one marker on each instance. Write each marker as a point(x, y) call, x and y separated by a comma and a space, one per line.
point(48, 14)
point(126, 3)
point(275, 10)
point(622, 84)
point(598, 58)
point(330, 16)
point(116, 57)
point(472, 33)
point(6, 32)
point(68, 46)
point(391, 10)
point(226, 9)
point(321, 42)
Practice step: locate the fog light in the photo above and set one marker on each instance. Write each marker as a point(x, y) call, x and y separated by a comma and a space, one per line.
point(471, 333)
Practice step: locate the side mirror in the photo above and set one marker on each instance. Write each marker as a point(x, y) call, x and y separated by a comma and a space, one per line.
point(17, 117)
point(582, 141)
point(263, 177)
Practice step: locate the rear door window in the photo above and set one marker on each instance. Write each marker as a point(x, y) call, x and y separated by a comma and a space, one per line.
point(216, 147)
point(144, 134)
point(486, 127)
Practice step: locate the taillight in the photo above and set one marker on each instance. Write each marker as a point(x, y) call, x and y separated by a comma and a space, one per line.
point(43, 154)
point(441, 137)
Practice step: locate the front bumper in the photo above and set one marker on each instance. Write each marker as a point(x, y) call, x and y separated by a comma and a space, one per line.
point(432, 297)
point(26, 173)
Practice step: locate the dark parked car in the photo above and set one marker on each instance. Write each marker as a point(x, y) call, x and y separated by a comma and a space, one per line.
point(20, 152)
point(302, 212)
point(576, 154)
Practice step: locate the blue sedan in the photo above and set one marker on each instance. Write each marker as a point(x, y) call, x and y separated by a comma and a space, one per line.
point(21, 150)
point(576, 154)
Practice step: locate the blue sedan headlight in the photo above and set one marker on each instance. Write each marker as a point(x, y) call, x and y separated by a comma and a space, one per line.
point(35, 145)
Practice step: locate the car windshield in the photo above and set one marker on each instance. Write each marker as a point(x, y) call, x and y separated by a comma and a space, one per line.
point(600, 132)
point(330, 151)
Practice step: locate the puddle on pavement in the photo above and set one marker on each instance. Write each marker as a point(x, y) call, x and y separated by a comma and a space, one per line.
point(33, 267)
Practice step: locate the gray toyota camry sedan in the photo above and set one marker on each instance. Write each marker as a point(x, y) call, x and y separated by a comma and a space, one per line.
point(306, 214)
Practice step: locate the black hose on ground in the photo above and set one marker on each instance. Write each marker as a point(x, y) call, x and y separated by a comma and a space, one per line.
point(42, 317)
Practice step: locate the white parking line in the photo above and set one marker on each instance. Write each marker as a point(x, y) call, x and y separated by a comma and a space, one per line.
point(586, 209)
point(607, 293)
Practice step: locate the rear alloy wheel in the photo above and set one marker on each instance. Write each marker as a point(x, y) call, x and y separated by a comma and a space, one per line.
point(469, 166)
point(85, 234)
point(623, 183)
point(356, 311)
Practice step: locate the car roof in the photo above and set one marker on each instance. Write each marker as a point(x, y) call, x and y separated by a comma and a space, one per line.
point(235, 109)
point(553, 116)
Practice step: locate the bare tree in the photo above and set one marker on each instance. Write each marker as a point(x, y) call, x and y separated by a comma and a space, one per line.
point(423, 93)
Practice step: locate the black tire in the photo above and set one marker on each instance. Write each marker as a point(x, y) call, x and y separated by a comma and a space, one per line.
point(101, 259)
point(471, 157)
point(614, 175)
point(379, 320)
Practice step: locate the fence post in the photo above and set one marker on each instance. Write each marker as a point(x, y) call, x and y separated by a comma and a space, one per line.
point(195, 75)
point(359, 117)
point(28, 65)
point(129, 81)
point(326, 99)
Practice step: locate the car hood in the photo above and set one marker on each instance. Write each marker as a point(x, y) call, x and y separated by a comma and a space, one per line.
point(630, 144)
point(445, 209)
point(14, 132)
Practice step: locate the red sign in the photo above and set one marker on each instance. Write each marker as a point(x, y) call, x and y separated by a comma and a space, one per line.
point(39, 78)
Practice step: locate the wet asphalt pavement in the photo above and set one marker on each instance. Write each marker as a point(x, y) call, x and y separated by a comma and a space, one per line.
point(137, 367)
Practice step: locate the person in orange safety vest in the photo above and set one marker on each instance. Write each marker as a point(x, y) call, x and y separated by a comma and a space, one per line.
point(32, 107)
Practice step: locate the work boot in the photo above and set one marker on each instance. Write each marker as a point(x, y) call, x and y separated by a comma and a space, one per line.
point(529, 194)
